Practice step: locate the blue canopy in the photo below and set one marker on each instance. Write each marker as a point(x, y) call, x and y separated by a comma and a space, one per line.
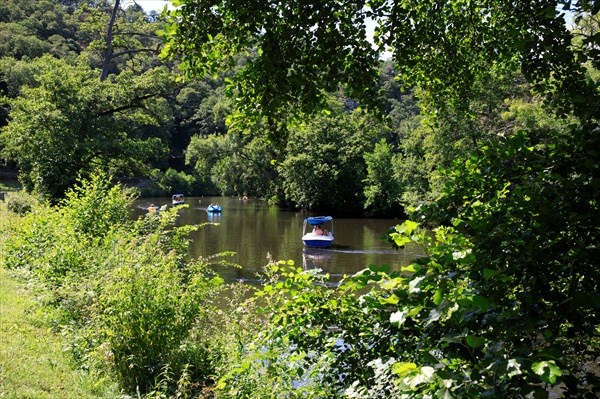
point(318, 220)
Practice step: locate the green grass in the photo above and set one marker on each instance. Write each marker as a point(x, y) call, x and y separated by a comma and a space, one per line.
point(33, 363)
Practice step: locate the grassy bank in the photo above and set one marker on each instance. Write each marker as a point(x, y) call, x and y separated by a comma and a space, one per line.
point(33, 363)
point(120, 295)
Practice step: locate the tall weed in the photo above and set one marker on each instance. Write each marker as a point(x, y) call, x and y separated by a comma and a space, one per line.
point(148, 306)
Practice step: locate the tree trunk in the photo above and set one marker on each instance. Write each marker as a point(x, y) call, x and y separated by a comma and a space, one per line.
point(109, 49)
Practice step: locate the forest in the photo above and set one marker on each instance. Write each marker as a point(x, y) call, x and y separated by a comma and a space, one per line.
point(145, 121)
point(474, 120)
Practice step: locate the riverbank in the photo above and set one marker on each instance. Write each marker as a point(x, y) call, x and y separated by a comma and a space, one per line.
point(33, 363)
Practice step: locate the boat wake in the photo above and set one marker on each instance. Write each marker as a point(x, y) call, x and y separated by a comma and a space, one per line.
point(361, 251)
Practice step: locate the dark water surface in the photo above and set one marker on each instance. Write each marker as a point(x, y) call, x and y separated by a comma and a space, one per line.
point(255, 231)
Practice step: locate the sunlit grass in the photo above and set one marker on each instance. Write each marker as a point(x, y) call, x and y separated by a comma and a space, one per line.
point(33, 363)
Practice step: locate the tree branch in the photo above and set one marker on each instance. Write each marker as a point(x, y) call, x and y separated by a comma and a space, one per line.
point(133, 104)
point(152, 36)
point(133, 51)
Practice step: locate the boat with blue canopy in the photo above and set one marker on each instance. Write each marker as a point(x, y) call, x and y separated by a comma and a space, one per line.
point(177, 199)
point(317, 231)
point(214, 208)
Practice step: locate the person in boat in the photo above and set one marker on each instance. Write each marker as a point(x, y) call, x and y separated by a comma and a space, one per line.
point(318, 231)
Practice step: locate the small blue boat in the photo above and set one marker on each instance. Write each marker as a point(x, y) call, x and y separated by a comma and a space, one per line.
point(317, 232)
point(178, 199)
point(214, 208)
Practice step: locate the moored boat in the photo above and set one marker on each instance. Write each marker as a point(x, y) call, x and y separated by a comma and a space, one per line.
point(317, 231)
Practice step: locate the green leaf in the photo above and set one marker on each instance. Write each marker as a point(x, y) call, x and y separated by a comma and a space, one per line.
point(481, 303)
point(410, 268)
point(398, 317)
point(548, 371)
point(437, 297)
point(400, 240)
point(403, 368)
point(474, 342)
point(489, 273)
point(390, 300)
point(391, 284)
point(407, 227)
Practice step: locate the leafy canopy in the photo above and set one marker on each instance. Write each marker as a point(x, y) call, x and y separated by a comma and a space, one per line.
point(69, 124)
point(297, 49)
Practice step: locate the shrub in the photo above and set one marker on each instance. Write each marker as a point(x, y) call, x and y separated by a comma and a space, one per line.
point(148, 307)
point(124, 293)
point(95, 205)
point(263, 358)
point(20, 202)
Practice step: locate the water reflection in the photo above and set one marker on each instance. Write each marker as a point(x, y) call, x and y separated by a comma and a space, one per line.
point(257, 232)
point(316, 258)
point(214, 217)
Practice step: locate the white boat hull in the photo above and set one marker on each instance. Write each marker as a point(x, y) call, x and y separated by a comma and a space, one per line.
point(317, 241)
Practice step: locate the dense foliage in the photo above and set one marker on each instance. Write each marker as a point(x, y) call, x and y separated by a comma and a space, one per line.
point(500, 159)
point(124, 293)
point(505, 304)
point(71, 123)
point(108, 100)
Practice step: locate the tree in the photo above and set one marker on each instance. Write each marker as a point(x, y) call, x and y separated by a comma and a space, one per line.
point(235, 164)
point(506, 304)
point(432, 143)
point(382, 190)
point(301, 47)
point(70, 124)
point(18, 42)
point(324, 165)
point(116, 39)
point(307, 46)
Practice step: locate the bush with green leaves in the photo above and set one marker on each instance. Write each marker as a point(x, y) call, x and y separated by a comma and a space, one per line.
point(148, 308)
point(262, 361)
point(97, 205)
point(432, 329)
point(53, 242)
point(124, 293)
point(176, 182)
point(20, 202)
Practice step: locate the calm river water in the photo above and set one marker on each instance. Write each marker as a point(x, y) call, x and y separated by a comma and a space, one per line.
point(255, 231)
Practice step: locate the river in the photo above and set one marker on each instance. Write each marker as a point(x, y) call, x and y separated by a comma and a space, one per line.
point(256, 231)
